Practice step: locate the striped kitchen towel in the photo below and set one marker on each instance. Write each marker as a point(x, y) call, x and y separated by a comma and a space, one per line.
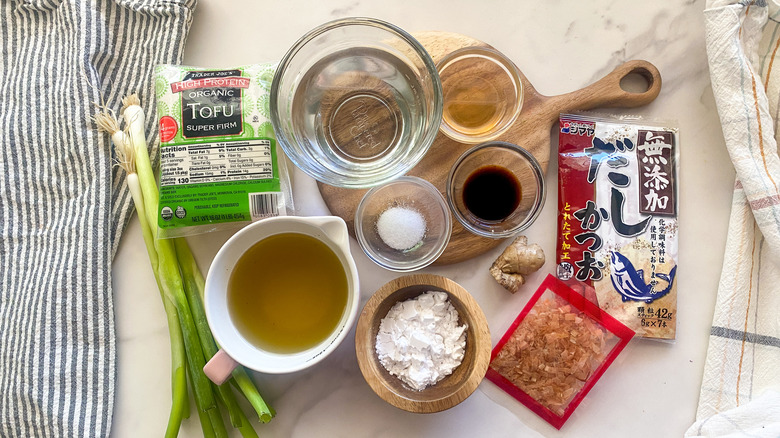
point(740, 391)
point(62, 206)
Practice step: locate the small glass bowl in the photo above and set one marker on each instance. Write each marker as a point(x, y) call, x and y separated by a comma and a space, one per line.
point(482, 92)
point(517, 161)
point(356, 102)
point(415, 194)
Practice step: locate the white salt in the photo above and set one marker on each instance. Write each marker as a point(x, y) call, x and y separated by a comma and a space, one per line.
point(401, 228)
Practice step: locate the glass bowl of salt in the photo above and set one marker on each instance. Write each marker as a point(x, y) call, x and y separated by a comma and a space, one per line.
point(403, 225)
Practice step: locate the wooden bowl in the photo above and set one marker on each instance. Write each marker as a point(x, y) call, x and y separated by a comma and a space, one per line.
point(451, 390)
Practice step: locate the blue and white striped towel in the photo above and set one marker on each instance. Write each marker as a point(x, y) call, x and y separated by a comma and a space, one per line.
point(60, 213)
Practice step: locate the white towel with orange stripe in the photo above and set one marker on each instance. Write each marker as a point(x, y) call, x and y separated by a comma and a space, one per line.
point(740, 392)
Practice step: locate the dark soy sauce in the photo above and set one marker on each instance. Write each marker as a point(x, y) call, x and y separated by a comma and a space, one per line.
point(491, 193)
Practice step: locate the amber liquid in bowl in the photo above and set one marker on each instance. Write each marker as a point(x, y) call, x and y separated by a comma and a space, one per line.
point(287, 293)
point(480, 96)
point(473, 106)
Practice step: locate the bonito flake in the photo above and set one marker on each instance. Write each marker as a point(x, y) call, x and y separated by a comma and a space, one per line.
point(617, 221)
point(556, 350)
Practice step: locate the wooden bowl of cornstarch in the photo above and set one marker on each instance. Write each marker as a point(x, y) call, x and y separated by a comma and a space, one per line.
point(406, 394)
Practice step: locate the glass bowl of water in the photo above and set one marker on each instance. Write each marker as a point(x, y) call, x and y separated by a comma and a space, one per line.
point(356, 103)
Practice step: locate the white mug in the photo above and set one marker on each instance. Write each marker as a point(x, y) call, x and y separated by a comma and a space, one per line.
point(234, 348)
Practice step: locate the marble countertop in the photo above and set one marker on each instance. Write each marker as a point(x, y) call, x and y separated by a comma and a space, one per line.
point(651, 390)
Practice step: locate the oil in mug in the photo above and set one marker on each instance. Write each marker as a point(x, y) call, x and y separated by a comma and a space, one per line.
point(492, 193)
point(287, 293)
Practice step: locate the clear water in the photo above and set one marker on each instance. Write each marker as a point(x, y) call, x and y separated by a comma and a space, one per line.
point(359, 106)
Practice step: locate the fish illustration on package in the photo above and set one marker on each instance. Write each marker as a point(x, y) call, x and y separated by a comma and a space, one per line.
point(630, 282)
point(617, 218)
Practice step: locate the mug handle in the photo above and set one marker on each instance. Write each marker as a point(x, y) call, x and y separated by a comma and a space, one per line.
point(220, 367)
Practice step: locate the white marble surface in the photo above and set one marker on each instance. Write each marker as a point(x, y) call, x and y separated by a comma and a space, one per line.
point(653, 388)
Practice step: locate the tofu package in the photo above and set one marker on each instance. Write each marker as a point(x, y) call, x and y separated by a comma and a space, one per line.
point(220, 167)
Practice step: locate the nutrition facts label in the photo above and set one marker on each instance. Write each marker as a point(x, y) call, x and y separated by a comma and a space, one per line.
point(216, 162)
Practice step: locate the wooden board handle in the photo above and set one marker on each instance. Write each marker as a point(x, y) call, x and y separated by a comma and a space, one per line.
point(607, 91)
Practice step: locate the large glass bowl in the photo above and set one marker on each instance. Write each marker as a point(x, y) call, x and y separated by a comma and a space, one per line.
point(356, 102)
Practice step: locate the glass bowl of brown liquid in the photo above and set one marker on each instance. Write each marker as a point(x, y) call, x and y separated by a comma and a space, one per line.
point(482, 92)
point(496, 189)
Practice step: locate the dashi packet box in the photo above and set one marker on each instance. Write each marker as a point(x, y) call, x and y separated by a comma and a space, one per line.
point(556, 350)
point(617, 217)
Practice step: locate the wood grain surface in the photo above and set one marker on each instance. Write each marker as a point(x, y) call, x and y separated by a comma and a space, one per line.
point(451, 390)
point(531, 131)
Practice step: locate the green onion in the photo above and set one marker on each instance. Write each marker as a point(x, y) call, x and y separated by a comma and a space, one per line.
point(181, 287)
point(190, 269)
point(125, 154)
point(168, 265)
point(191, 273)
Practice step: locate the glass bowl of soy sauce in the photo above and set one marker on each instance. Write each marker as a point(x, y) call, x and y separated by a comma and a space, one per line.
point(496, 189)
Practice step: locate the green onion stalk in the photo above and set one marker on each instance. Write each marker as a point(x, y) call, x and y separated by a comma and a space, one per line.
point(181, 286)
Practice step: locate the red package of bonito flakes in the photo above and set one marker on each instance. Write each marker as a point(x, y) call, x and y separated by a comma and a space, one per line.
point(556, 350)
point(617, 218)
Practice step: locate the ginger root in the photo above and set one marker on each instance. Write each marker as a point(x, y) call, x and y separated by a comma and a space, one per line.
point(517, 260)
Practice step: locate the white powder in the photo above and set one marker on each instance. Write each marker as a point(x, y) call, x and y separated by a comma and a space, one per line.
point(420, 341)
point(401, 228)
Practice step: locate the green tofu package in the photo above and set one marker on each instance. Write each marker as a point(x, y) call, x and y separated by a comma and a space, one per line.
point(219, 164)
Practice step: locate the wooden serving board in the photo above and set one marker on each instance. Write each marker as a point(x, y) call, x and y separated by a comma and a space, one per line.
point(531, 131)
